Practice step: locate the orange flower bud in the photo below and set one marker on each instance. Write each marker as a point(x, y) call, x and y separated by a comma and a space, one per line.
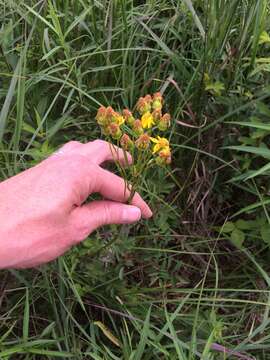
point(109, 114)
point(143, 142)
point(101, 116)
point(126, 142)
point(158, 96)
point(148, 99)
point(157, 115)
point(144, 105)
point(126, 113)
point(105, 130)
point(137, 127)
point(157, 101)
point(165, 122)
point(115, 131)
point(128, 117)
point(164, 157)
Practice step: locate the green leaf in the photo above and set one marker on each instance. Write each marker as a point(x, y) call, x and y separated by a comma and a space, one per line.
point(258, 134)
point(243, 224)
point(215, 88)
point(56, 23)
point(8, 100)
point(265, 233)
point(250, 208)
point(40, 17)
point(26, 317)
point(51, 52)
point(77, 20)
point(237, 238)
point(228, 227)
point(145, 332)
point(260, 151)
point(195, 17)
point(263, 108)
point(261, 171)
point(256, 125)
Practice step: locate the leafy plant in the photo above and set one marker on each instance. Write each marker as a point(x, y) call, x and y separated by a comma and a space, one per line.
point(175, 288)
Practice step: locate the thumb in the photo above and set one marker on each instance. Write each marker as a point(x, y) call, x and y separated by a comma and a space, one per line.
point(89, 217)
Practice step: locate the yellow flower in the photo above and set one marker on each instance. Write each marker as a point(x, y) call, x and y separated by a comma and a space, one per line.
point(147, 120)
point(160, 144)
point(119, 119)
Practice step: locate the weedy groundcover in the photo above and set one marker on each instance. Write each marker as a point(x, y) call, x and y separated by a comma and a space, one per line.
point(193, 282)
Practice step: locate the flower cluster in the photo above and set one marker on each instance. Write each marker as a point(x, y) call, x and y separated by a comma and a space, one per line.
point(137, 132)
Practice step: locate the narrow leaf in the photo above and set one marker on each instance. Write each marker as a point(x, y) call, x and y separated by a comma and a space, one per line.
point(108, 333)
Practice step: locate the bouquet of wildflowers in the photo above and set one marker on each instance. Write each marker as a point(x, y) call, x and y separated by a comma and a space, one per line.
point(138, 133)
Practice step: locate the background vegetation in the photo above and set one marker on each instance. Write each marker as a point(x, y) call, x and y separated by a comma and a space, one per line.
point(193, 282)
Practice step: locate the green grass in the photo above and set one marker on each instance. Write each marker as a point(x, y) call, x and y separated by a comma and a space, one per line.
point(177, 288)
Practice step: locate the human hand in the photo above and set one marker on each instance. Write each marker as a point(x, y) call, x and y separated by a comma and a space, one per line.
point(43, 211)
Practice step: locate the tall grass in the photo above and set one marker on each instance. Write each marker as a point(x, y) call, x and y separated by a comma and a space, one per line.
point(177, 288)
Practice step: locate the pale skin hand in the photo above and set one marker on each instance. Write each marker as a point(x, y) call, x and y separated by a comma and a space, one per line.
point(43, 211)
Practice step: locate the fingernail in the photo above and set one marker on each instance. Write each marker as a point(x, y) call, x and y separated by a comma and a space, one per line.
point(150, 212)
point(131, 214)
point(147, 213)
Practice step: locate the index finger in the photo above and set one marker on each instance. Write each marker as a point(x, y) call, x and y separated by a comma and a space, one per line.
point(99, 151)
point(114, 188)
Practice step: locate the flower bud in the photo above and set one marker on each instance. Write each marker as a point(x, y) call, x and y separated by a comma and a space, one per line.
point(128, 117)
point(164, 157)
point(157, 115)
point(109, 114)
point(143, 142)
point(115, 131)
point(148, 99)
point(137, 127)
point(165, 122)
point(105, 130)
point(101, 116)
point(157, 101)
point(126, 142)
point(144, 104)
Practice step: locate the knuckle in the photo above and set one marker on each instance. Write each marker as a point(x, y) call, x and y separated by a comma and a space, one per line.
point(80, 234)
point(107, 214)
point(79, 229)
point(77, 160)
point(79, 166)
point(73, 143)
point(74, 166)
point(100, 142)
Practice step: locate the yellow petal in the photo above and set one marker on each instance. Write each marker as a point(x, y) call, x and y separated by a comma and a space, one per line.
point(166, 150)
point(156, 148)
point(147, 120)
point(154, 140)
point(120, 120)
point(163, 142)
